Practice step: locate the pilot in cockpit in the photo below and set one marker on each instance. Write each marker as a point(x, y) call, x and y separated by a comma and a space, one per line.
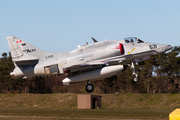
point(140, 41)
point(133, 40)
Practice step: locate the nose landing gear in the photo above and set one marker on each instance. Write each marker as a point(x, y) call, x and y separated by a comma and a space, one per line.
point(134, 72)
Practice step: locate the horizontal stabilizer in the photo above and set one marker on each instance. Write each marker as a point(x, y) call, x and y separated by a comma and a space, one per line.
point(26, 62)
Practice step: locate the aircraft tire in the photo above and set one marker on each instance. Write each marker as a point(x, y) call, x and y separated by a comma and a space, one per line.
point(135, 79)
point(89, 88)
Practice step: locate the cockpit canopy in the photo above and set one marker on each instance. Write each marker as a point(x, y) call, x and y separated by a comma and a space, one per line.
point(133, 40)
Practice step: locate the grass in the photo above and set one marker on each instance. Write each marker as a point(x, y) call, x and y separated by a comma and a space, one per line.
point(90, 114)
point(109, 101)
point(63, 106)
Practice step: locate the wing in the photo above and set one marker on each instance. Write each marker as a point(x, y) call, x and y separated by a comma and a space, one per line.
point(98, 63)
point(78, 68)
point(84, 67)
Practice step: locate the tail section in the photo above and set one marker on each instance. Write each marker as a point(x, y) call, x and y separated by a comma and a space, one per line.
point(22, 51)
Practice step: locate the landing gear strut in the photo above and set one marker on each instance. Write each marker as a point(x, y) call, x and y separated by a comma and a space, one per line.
point(134, 72)
point(133, 68)
point(89, 87)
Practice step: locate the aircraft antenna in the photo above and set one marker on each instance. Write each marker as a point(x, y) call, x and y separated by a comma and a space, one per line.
point(94, 40)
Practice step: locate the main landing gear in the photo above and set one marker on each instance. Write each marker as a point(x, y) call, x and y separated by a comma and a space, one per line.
point(89, 87)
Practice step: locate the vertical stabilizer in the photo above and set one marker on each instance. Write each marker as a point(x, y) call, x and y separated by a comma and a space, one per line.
point(16, 53)
point(21, 50)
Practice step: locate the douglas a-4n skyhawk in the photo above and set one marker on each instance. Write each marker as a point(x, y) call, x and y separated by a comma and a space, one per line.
point(87, 63)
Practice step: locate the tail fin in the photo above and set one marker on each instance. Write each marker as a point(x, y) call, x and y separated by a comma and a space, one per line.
point(22, 51)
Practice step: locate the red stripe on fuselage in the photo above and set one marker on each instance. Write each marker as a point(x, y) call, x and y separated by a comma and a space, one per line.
point(121, 48)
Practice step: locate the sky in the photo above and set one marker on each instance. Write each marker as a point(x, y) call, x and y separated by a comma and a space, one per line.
point(61, 25)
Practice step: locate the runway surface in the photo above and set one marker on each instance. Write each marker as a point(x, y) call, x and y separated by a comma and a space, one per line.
point(47, 118)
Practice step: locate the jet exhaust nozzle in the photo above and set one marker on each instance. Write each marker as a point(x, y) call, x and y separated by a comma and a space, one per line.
point(16, 73)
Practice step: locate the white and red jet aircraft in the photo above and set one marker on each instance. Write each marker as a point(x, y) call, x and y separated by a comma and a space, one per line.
point(88, 63)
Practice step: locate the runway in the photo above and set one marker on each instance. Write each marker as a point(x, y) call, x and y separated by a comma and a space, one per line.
point(59, 118)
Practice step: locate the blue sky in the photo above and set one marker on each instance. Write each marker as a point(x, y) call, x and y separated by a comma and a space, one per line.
point(61, 25)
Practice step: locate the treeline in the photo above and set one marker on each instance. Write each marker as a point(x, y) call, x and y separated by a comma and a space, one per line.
point(160, 74)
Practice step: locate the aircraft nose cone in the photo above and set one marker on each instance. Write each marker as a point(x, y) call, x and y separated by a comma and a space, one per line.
point(168, 47)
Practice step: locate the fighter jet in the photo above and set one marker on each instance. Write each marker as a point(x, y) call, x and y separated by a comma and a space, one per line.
point(88, 63)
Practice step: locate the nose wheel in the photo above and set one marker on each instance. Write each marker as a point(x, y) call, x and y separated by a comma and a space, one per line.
point(89, 88)
point(135, 77)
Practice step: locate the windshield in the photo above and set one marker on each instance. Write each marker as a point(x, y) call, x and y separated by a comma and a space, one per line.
point(133, 40)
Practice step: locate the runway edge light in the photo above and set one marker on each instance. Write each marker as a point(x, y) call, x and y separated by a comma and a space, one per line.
point(175, 115)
